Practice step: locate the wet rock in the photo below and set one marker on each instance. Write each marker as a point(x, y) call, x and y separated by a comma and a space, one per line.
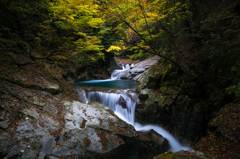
point(122, 102)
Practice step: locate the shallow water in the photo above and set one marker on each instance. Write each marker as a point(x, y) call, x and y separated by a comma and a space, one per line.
point(108, 83)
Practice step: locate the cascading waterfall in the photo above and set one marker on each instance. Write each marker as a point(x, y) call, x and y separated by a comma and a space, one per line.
point(122, 73)
point(123, 104)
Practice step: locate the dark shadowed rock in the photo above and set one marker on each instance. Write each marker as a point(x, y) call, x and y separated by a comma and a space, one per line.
point(223, 131)
point(122, 102)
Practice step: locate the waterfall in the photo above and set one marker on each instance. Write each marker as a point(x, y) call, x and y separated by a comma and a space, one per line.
point(122, 73)
point(123, 104)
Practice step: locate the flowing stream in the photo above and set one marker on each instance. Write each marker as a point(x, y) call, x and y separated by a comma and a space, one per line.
point(123, 104)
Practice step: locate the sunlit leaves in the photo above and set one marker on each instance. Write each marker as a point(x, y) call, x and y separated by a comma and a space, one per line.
point(81, 24)
point(95, 22)
point(113, 48)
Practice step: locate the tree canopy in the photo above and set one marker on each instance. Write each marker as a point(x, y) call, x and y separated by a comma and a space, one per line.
point(186, 34)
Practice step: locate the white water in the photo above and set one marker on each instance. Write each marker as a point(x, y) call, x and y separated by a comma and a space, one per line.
point(123, 104)
point(125, 110)
point(122, 73)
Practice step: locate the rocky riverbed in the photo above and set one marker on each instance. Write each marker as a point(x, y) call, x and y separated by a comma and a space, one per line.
point(41, 117)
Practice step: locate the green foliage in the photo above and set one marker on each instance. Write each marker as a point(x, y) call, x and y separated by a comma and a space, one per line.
point(73, 27)
point(114, 48)
point(80, 23)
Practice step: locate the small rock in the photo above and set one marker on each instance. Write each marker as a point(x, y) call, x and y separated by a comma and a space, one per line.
point(53, 88)
point(122, 102)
